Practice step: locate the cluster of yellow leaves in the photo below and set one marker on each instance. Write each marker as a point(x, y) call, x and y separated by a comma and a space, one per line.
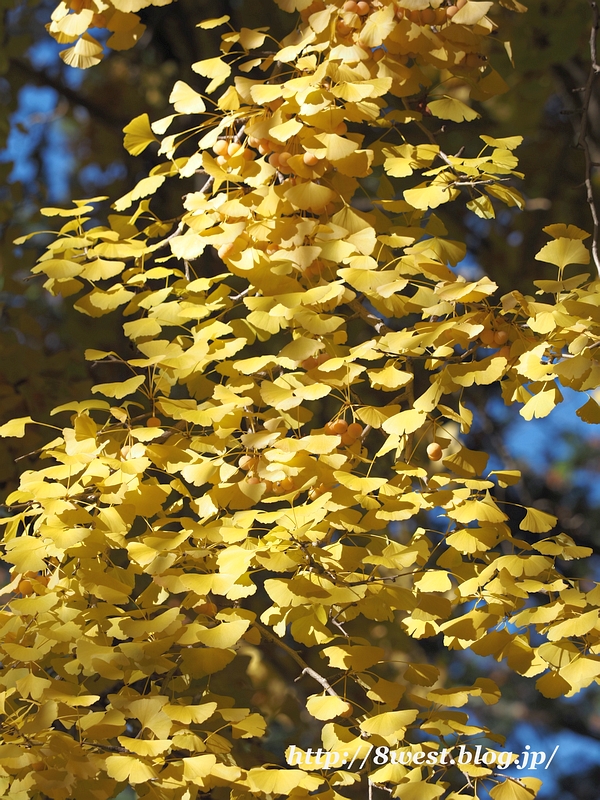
point(261, 470)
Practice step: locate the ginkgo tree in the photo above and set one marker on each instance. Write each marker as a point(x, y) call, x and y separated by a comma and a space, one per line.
point(280, 465)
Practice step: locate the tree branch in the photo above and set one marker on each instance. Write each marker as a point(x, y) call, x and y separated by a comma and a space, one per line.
point(375, 322)
point(582, 140)
point(99, 112)
point(306, 670)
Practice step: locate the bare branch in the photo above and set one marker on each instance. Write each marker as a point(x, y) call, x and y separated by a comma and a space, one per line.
point(101, 113)
point(582, 140)
point(364, 313)
point(306, 670)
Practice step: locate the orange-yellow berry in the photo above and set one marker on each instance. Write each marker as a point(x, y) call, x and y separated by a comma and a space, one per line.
point(339, 427)
point(354, 429)
point(225, 250)
point(434, 451)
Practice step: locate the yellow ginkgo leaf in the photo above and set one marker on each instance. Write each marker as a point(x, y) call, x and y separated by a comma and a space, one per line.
point(286, 130)
point(214, 68)
point(15, 428)
point(389, 723)
point(589, 412)
point(434, 581)
point(224, 635)
point(325, 707)
point(129, 769)
point(119, 390)
point(357, 484)
point(87, 52)
point(563, 251)
point(197, 767)
point(452, 108)
point(481, 510)
point(537, 521)
point(355, 657)
point(405, 422)
point(472, 12)
point(214, 22)
point(138, 135)
point(430, 195)
point(309, 196)
point(552, 685)
point(145, 747)
point(510, 789)
point(422, 674)
point(186, 100)
point(274, 781)
point(145, 187)
point(419, 790)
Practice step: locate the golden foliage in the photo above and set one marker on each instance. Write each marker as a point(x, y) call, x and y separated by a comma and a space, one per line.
point(202, 509)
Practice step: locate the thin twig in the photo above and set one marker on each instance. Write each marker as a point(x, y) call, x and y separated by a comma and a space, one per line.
point(375, 322)
point(239, 296)
point(306, 670)
point(178, 230)
point(582, 140)
point(479, 183)
point(237, 139)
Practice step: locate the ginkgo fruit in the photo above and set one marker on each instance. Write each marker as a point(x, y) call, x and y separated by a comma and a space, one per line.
point(225, 249)
point(362, 8)
point(355, 429)
point(221, 147)
point(348, 711)
point(487, 336)
point(247, 462)
point(434, 451)
point(25, 587)
point(500, 337)
point(338, 427)
point(209, 609)
point(153, 422)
